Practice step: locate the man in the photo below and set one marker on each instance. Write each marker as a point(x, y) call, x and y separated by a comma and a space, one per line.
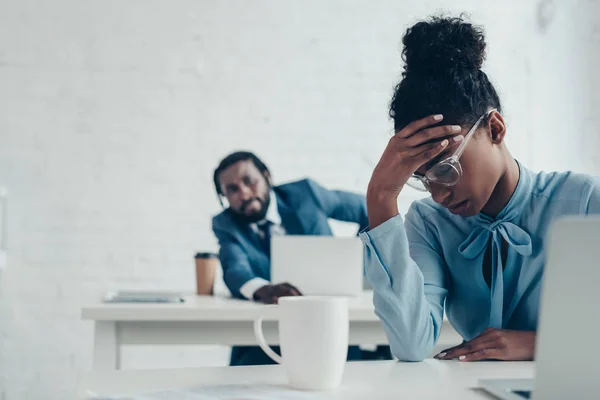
point(257, 210)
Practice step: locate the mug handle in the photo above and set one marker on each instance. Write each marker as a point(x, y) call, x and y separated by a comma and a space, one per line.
point(260, 337)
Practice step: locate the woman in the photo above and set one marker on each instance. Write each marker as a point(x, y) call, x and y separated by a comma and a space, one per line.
point(477, 245)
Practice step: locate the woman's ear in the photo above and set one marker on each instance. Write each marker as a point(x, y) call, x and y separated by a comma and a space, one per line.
point(497, 127)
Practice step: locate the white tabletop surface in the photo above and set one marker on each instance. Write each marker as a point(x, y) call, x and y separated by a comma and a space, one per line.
point(206, 308)
point(431, 379)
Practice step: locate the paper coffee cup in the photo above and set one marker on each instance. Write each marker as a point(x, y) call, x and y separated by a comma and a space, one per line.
point(206, 268)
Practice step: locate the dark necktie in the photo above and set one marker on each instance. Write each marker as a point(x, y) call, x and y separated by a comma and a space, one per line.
point(264, 228)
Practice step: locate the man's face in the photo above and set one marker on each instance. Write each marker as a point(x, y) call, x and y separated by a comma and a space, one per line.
point(247, 190)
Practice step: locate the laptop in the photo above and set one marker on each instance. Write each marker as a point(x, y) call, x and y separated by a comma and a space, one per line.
point(318, 265)
point(566, 365)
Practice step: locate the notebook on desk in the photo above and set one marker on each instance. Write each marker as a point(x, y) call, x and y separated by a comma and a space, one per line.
point(124, 296)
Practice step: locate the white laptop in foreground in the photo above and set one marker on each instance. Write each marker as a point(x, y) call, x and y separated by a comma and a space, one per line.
point(318, 265)
point(567, 365)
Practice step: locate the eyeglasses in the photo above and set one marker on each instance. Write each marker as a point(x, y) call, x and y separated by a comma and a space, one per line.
point(448, 171)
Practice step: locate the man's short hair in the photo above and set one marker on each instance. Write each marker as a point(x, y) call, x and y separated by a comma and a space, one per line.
point(235, 158)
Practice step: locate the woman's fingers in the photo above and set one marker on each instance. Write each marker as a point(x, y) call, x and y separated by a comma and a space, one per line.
point(442, 354)
point(418, 125)
point(487, 339)
point(428, 152)
point(434, 134)
point(414, 152)
point(483, 354)
point(469, 348)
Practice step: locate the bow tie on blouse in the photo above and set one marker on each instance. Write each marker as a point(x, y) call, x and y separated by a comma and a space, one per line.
point(493, 231)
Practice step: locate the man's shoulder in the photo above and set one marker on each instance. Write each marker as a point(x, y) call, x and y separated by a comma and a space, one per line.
point(297, 190)
point(223, 220)
point(299, 185)
point(298, 193)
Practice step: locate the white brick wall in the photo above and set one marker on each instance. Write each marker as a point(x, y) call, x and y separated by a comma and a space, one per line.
point(113, 114)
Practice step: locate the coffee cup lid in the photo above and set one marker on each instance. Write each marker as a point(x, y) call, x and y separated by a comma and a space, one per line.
point(206, 255)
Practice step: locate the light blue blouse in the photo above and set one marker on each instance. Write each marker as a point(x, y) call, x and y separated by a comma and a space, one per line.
point(435, 258)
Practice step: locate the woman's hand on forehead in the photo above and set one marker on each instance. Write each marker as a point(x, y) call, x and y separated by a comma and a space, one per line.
point(408, 150)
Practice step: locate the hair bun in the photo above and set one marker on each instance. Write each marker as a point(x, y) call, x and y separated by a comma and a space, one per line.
point(443, 44)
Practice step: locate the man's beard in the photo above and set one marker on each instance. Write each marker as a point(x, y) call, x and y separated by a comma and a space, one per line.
point(257, 216)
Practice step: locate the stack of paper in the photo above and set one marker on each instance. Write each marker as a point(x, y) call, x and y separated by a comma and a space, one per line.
point(142, 297)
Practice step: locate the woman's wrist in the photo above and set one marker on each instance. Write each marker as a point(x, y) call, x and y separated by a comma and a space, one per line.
point(381, 206)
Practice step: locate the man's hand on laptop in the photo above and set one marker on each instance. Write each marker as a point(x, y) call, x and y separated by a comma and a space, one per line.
point(494, 344)
point(270, 294)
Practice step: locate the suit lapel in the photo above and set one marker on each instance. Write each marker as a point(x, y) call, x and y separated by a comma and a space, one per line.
point(247, 232)
point(296, 221)
point(289, 220)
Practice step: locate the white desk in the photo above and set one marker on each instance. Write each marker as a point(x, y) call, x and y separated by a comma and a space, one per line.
point(210, 320)
point(372, 380)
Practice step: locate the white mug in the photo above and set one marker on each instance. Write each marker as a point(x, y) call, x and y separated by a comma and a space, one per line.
point(313, 337)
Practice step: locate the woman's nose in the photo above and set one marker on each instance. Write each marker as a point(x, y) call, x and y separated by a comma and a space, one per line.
point(439, 193)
